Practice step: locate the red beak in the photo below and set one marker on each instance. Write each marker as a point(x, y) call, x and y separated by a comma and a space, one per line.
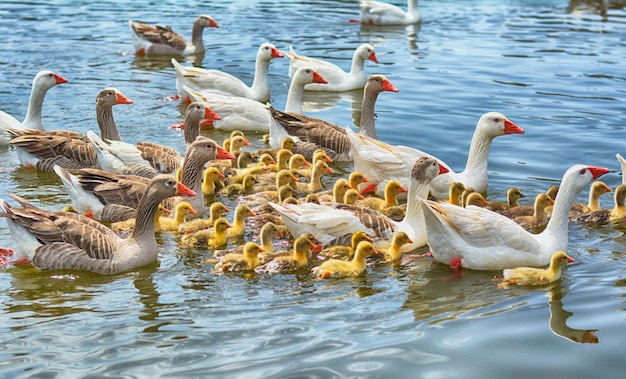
point(184, 190)
point(209, 114)
point(223, 154)
point(317, 78)
point(276, 53)
point(511, 128)
point(213, 24)
point(59, 79)
point(597, 171)
point(442, 169)
point(388, 86)
point(373, 58)
point(121, 99)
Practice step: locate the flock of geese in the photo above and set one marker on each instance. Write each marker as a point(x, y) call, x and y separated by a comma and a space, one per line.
point(396, 200)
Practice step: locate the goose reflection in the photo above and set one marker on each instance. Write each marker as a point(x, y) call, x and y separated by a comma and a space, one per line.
point(315, 101)
point(559, 316)
point(160, 62)
point(385, 32)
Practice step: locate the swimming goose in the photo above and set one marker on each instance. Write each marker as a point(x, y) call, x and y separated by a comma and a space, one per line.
point(394, 253)
point(337, 195)
point(352, 196)
point(476, 199)
point(381, 162)
point(100, 193)
point(158, 40)
point(268, 232)
point(250, 115)
point(220, 81)
point(486, 240)
point(335, 268)
point(381, 13)
point(314, 133)
point(315, 183)
point(44, 149)
point(338, 79)
point(531, 276)
point(42, 82)
point(60, 240)
point(327, 222)
point(242, 211)
point(116, 155)
point(243, 188)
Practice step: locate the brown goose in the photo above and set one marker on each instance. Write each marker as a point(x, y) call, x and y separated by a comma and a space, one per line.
point(60, 240)
point(43, 150)
point(104, 195)
point(315, 133)
point(158, 40)
point(117, 156)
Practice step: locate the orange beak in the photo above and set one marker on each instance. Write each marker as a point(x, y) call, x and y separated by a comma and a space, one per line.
point(511, 128)
point(223, 154)
point(388, 86)
point(570, 259)
point(184, 190)
point(121, 99)
point(370, 188)
point(192, 211)
point(59, 79)
point(210, 114)
point(373, 58)
point(276, 53)
point(213, 24)
point(317, 78)
point(402, 189)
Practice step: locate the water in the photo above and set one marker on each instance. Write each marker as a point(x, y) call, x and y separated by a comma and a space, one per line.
point(560, 77)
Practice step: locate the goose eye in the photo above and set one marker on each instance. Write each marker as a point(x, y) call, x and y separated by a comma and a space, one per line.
point(497, 119)
point(583, 171)
point(209, 146)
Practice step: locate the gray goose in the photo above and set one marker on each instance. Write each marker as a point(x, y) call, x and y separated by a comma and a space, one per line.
point(45, 149)
point(121, 157)
point(158, 40)
point(315, 133)
point(109, 196)
point(69, 241)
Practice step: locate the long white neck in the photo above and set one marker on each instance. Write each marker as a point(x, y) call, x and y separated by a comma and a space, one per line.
point(294, 97)
point(35, 104)
point(411, 6)
point(260, 84)
point(558, 225)
point(478, 155)
point(357, 63)
point(413, 214)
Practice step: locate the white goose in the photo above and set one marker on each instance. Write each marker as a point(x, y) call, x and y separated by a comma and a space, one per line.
point(380, 13)
point(250, 115)
point(227, 84)
point(622, 163)
point(381, 162)
point(486, 240)
point(329, 222)
point(117, 156)
point(43, 81)
point(158, 40)
point(70, 241)
point(314, 133)
point(338, 79)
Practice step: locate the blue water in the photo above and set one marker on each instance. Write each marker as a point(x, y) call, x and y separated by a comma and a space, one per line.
point(559, 76)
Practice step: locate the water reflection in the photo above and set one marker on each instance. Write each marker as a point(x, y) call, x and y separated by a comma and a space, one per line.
point(157, 62)
point(559, 316)
point(385, 32)
point(315, 101)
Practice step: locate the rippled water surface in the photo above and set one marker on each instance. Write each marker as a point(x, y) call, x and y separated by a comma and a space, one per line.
point(560, 77)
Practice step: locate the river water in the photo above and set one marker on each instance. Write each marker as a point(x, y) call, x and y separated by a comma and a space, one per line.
point(559, 76)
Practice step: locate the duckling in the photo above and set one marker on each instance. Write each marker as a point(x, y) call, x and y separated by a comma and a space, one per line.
point(246, 187)
point(539, 219)
point(183, 209)
point(216, 211)
point(259, 201)
point(392, 189)
point(286, 143)
point(210, 177)
point(344, 252)
point(247, 261)
point(244, 159)
point(468, 191)
point(282, 160)
point(455, 192)
point(598, 188)
point(312, 198)
point(513, 194)
point(394, 253)
point(337, 195)
point(238, 229)
point(352, 196)
point(265, 160)
point(476, 199)
point(318, 155)
point(316, 247)
point(268, 232)
point(396, 213)
point(335, 268)
point(552, 192)
point(298, 161)
point(128, 226)
point(531, 276)
point(282, 177)
point(217, 237)
point(315, 184)
point(296, 261)
point(71, 209)
point(603, 216)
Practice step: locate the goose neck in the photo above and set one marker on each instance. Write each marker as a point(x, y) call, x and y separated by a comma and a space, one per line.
point(196, 36)
point(35, 105)
point(294, 97)
point(478, 155)
point(368, 115)
point(106, 123)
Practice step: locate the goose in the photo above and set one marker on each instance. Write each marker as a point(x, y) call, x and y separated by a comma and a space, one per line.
point(158, 40)
point(298, 260)
point(314, 133)
point(42, 82)
point(381, 13)
point(539, 218)
point(101, 194)
point(531, 276)
point(486, 240)
point(220, 81)
point(381, 162)
point(182, 210)
point(216, 210)
point(247, 261)
point(513, 194)
point(70, 241)
point(335, 268)
point(44, 149)
point(116, 155)
point(603, 216)
point(250, 115)
point(622, 163)
point(338, 79)
point(328, 222)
